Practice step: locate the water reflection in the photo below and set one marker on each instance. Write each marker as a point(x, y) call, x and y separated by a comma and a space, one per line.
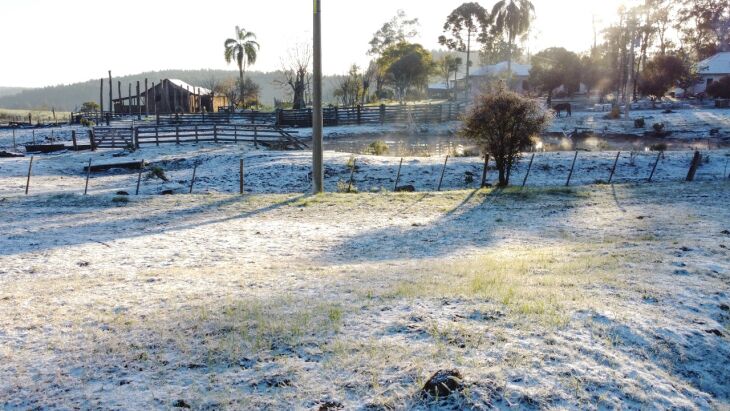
point(407, 145)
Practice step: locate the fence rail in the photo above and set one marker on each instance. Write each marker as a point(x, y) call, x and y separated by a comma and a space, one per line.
point(332, 116)
point(265, 135)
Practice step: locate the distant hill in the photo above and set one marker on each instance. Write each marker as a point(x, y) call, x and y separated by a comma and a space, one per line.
point(70, 97)
point(10, 91)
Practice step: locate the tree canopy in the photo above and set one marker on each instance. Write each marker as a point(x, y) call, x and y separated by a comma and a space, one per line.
point(407, 65)
point(555, 67)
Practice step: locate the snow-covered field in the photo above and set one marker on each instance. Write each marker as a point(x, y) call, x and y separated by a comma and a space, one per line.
point(686, 123)
point(589, 297)
point(585, 298)
point(288, 172)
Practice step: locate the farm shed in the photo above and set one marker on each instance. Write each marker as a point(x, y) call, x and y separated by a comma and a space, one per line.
point(171, 96)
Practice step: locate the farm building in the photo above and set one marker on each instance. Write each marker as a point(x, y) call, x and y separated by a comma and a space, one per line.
point(712, 69)
point(171, 96)
point(479, 75)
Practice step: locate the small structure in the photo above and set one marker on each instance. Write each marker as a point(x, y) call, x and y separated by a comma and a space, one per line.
point(479, 75)
point(712, 69)
point(171, 96)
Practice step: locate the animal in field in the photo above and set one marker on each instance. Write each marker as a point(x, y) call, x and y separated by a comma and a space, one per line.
point(559, 108)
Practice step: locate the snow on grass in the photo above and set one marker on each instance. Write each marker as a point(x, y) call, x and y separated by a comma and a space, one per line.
point(586, 297)
point(289, 172)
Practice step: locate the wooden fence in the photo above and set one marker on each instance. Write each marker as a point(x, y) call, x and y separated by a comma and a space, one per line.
point(332, 116)
point(265, 135)
point(359, 115)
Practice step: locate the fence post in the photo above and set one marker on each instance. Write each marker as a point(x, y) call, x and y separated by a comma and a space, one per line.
point(693, 166)
point(443, 170)
point(486, 164)
point(529, 167)
point(177, 134)
point(359, 115)
point(215, 133)
point(240, 176)
point(382, 114)
point(653, 169)
point(15, 148)
point(570, 174)
point(613, 169)
point(256, 137)
point(136, 138)
point(139, 177)
point(73, 139)
point(27, 182)
point(196, 134)
point(157, 136)
point(91, 140)
point(397, 176)
point(192, 181)
point(352, 175)
point(88, 174)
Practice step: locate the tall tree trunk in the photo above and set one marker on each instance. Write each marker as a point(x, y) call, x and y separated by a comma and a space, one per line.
point(468, 60)
point(240, 86)
point(509, 61)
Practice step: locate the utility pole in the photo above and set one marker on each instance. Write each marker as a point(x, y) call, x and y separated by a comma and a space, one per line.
point(317, 167)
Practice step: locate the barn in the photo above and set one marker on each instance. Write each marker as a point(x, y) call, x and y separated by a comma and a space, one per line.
point(171, 96)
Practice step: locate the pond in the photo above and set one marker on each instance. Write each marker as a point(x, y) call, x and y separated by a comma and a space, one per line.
point(415, 145)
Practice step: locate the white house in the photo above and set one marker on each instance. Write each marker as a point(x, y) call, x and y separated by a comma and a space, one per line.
point(712, 69)
point(520, 74)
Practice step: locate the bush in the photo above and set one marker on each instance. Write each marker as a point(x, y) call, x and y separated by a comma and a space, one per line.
point(344, 187)
point(615, 113)
point(639, 123)
point(120, 200)
point(658, 127)
point(157, 172)
point(503, 124)
point(658, 147)
point(720, 88)
point(377, 147)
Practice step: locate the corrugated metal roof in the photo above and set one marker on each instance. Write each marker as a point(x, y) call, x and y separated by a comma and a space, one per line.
point(186, 86)
point(717, 64)
point(520, 70)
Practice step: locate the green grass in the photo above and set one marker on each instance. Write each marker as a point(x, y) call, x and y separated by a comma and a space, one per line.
point(42, 115)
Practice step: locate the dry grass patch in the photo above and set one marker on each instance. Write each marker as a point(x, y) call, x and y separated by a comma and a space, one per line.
point(543, 283)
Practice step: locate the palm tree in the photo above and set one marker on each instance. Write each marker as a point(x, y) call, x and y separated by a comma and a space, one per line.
point(514, 18)
point(243, 48)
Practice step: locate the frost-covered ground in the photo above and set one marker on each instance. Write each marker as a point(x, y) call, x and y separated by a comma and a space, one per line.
point(685, 123)
point(583, 298)
point(288, 172)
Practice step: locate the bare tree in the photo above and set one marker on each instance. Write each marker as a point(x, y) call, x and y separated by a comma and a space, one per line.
point(296, 76)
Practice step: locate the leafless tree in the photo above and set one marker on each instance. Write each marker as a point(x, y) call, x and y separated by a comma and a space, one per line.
point(296, 76)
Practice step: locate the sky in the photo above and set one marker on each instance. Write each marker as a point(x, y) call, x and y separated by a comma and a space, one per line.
point(49, 42)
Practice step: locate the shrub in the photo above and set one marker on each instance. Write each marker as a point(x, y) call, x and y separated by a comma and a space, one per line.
point(639, 123)
point(157, 172)
point(120, 200)
point(377, 147)
point(658, 127)
point(503, 124)
point(615, 113)
point(658, 147)
point(720, 88)
point(344, 187)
